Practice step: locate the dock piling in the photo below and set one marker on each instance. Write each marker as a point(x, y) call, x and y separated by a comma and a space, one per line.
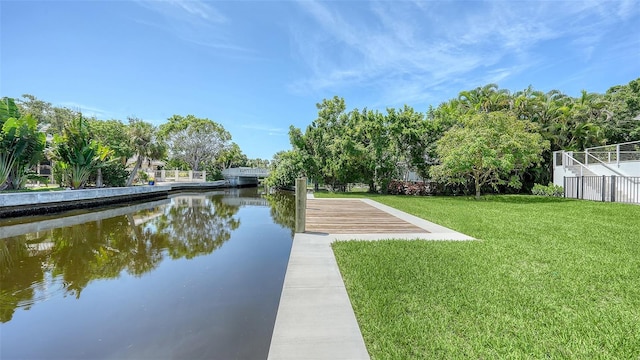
point(301, 204)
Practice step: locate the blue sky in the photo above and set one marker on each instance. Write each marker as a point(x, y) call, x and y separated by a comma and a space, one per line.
point(257, 67)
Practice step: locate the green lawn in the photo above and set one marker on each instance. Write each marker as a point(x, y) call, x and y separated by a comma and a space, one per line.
point(549, 278)
point(35, 189)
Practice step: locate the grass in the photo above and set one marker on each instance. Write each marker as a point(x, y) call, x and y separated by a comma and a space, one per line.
point(46, 188)
point(548, 278)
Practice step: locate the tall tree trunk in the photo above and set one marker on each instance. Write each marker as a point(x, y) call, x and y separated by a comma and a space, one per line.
point(137, 232)
point(134, 171)
point(99, 178)
point(477, 179)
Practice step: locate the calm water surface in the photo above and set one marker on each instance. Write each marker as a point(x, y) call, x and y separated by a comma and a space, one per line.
point(197, 276)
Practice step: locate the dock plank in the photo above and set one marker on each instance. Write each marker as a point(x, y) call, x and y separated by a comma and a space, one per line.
point(353, 216)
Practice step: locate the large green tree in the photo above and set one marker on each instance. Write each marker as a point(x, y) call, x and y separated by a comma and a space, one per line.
point(232, 156)
point(195, 141)
point(490, 149)
point(285, 168)
point(624, 105)
point(115, 135)
point(317, 145)
point(409, 138)
point(369, 151)
point(367, 146)
point(51, 118)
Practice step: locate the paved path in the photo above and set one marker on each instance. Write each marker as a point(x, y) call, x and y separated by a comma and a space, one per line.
point(315, 319)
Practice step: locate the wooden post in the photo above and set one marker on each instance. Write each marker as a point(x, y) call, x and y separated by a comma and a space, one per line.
point(301, 204)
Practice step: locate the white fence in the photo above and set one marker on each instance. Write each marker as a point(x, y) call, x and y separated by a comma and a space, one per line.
point(603, 188)
point(177, 175)
point(245, 171)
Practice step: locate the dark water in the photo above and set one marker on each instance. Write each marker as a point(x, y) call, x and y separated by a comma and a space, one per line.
point(197, 276)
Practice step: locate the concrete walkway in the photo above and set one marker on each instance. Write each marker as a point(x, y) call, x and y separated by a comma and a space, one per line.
point(315, 319)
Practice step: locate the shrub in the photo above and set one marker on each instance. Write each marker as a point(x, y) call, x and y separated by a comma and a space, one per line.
point(396, 187)
point(549, 190)
point(213, 174)
point(115, 174)
point(60, 173)
point(143, 177)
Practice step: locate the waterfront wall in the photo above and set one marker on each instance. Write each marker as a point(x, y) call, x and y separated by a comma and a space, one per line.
point(45, 202)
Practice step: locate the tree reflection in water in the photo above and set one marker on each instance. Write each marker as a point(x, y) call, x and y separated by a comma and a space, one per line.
point(197, 225)
point(20, 271)
point(136, 243)
point(283, 209)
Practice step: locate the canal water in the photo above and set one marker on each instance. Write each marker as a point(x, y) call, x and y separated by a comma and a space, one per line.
point(196, 276)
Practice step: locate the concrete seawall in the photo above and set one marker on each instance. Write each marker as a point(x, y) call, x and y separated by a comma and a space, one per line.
point(46, 202)
point(63, 221)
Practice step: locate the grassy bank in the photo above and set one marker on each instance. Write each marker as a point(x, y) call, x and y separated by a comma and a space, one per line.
point(43, 188)
point(549, 278)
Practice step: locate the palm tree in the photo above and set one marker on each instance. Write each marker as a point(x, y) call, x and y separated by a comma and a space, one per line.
point(145, 144)
point(525, 102)
point(589, 116)
point(486, 99)
point(469, 100)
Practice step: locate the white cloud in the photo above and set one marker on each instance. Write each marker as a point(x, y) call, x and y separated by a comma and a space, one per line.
point(199, 9)
point(269, 130)
point(87, 110)
point(402, 50)
point(386, 52)
point(194, 21)
point(627, 9)
point(185, 10)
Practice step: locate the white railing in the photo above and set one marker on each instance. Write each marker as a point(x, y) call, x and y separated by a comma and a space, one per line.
point(568, 161)
point(245, 171)
point(588, 155)
point(589, 185)
point(616, 153)
point(177, 175)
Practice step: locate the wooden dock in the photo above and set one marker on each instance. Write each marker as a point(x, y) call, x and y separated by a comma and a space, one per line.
point(353, 216)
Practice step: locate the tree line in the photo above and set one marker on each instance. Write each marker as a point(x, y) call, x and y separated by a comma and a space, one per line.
point(85, 150)
point(486, 138)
